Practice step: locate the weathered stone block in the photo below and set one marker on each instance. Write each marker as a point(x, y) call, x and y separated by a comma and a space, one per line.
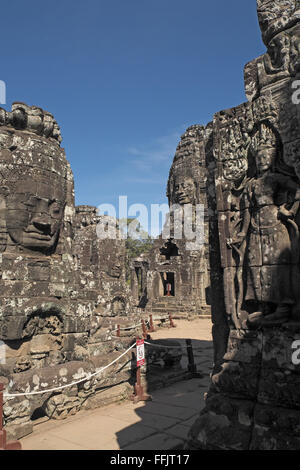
point(279, 387)
point(275, 429)
point(244, 346)
point(237, 379)
point(277, 349)
point(225, 424)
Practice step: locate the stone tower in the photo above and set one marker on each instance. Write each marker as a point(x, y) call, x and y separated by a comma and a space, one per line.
point(172, 262)
point(62, 289)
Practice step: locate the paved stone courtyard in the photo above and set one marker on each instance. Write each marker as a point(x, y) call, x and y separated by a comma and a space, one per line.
point(161, 424)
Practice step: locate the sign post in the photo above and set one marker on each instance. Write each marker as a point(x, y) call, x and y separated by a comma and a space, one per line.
point(139, 394)
point(144, 329)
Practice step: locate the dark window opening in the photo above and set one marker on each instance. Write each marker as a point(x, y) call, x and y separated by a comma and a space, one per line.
point(169, 250)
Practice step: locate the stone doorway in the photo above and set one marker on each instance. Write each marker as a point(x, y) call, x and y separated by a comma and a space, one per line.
point(167, 284)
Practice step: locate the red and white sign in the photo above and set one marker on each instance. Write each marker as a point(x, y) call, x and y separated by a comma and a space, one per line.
point(140, 352)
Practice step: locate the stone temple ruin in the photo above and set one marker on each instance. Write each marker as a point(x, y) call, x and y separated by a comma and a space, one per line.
point(63, 289)
point(172, 278)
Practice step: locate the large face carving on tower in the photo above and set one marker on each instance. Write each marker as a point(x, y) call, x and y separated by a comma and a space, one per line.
point(34, 177)
point(185, 174)
point(34, 212)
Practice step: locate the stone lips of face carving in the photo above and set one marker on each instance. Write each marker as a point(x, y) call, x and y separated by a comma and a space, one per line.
point(33, 219)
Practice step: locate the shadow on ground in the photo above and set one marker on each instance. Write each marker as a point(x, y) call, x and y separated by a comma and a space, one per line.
point(166, 420)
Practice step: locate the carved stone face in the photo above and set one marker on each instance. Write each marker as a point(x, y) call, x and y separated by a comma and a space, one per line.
point(112, 258)
point(115, 270)
point(265, 158)
point(34, 214)
point(118, 306)
point(185, 191)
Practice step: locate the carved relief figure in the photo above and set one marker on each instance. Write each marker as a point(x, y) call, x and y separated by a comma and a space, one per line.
point(279, 22)
point(269, 238)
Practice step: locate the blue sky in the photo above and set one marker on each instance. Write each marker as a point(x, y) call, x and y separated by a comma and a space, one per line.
point(124, 78)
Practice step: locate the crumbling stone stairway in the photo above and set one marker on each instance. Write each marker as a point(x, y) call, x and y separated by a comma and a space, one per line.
point(178, 309)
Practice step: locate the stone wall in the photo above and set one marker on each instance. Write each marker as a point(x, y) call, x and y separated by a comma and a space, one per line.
point(253, 400)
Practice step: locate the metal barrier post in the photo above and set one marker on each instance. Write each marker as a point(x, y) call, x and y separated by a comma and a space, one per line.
point(118, 331)
point(13, 445)
point(151, 329)
point(139, 394)
point(192, 368)
point(144, 329)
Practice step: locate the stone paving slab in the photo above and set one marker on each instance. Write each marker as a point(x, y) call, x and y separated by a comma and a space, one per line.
point(157, 442)
point(179, 431)
point(163, 409)
point(180, 401)
point(49, 442)
point(189, 423)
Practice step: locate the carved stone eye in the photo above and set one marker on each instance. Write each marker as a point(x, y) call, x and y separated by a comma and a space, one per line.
point(55, 209)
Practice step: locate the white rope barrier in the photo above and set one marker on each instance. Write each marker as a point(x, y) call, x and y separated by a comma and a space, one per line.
point(88, 377)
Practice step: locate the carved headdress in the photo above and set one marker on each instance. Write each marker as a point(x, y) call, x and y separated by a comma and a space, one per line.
point(275, 16)
point(266, 137)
